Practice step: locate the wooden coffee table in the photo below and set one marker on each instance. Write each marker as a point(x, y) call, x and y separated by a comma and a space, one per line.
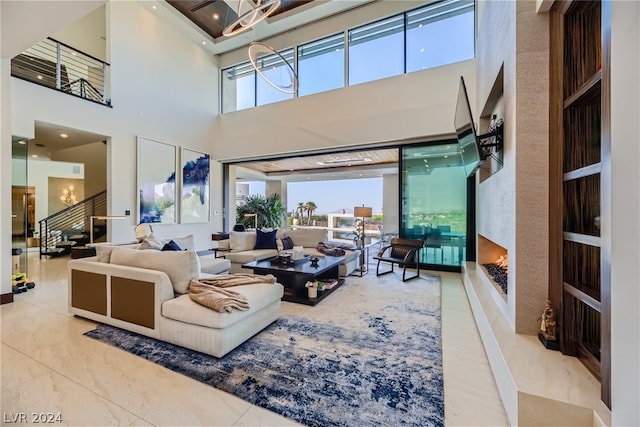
point(294, 277)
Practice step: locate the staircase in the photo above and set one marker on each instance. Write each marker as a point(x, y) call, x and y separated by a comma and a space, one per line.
point(69, 227)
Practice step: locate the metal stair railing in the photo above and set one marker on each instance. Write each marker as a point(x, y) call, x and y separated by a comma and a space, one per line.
point(71, 222)
point(59, 66)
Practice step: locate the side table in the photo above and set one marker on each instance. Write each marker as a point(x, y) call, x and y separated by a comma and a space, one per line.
point(364, 259)
point(82, 252)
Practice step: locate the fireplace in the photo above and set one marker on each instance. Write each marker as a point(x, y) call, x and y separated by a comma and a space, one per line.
point(494, 260)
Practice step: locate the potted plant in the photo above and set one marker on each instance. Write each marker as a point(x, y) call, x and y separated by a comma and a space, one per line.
point(269, 211)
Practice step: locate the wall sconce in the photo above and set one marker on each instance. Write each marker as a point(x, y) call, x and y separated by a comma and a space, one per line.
point(361, 212)
point(255, 217)
point(100, 217)
point(68, 196)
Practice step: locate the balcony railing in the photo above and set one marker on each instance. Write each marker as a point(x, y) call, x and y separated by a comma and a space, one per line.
point(58, 66)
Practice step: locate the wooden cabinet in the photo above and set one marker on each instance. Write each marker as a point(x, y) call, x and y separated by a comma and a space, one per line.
point(580, 182)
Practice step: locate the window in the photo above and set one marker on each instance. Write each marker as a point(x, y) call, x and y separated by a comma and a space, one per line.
point(376, 50)
point(274, 69)
point(434, 201)
point(440, 34)
point(321, 65)
point(238, 88)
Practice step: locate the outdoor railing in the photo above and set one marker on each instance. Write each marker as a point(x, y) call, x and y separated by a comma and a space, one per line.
point(56, 65)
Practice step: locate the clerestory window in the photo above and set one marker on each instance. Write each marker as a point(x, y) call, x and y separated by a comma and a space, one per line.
point(430, 36)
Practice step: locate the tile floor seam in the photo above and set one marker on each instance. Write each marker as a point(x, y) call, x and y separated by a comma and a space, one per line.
point(235, 423)
point(49, 368)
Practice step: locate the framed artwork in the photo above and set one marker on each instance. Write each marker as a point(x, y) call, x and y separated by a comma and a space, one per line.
point(156, 182)
point(194, 189)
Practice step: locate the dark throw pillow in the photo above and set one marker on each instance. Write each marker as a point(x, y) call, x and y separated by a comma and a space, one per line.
point(287, 243)
point(171, 246)
point(265, 239)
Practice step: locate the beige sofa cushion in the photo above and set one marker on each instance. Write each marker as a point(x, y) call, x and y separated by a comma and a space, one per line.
point(180, 266)
point(183, 309)
point(103, 251)
point(242, 240)
point(211, 265)
point(248, 256)
point(309, 238)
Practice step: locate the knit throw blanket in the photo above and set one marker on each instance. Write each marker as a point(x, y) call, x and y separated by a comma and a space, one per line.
point(211, 292)
point(334, 248)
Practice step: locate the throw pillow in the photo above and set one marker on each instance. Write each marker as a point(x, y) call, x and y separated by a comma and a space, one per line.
point(309, 237)
point(181, 266)
point(187, 243)
point(103, 253)
point(171, 246)
point(287, 243)
point(265, 239)
point(242, 240)
point(151, 243)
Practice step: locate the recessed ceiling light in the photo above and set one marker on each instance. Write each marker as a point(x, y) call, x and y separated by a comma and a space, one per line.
point(204, 42)
point(64, 135)
point(153, 7)
point(35, 156)
point(22, 142)
point(39, 77)
point(216, 16)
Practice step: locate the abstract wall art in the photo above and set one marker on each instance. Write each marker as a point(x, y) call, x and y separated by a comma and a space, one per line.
point(156, 182)
point(194, 193)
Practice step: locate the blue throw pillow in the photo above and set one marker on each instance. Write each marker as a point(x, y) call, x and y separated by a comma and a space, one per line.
point(265, 239)
point(287, 243)
point(171, 246)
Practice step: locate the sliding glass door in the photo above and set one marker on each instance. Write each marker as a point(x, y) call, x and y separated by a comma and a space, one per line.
point(434, 202)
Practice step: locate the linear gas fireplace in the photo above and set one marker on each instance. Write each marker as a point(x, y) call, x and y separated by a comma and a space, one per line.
point(494, 260)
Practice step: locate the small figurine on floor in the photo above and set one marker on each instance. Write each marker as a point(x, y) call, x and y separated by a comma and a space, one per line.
point(547, 334)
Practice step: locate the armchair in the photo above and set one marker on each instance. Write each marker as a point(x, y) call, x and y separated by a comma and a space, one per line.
point(404, 252)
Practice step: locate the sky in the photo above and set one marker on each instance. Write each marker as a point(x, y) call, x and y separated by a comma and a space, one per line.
point(331, 196)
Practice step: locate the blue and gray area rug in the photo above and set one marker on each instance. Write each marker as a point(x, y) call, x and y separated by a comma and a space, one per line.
point(375, 361)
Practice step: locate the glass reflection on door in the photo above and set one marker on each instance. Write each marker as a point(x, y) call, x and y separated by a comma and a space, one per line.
point(22, 206)
point(434, 197)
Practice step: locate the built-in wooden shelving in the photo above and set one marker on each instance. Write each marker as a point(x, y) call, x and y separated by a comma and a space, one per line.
point(579, 275)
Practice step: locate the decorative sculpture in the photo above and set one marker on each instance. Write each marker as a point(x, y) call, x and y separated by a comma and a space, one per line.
point(547, 333)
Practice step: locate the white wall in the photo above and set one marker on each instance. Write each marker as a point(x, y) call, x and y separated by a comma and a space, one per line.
point(94, 158)
point(5, 175)
point(391, 202)
point(410, 107)
point(75, 35)
point(512, 204)
point(164, 87)
point(39, 172)
point(625, 232)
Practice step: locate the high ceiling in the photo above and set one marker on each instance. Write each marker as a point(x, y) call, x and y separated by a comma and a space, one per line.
point(205, 19)
point(213, 16)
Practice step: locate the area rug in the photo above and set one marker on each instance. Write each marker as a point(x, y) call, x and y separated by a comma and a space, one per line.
point(374, 361)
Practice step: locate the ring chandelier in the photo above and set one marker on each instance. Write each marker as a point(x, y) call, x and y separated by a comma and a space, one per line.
point(258, 11)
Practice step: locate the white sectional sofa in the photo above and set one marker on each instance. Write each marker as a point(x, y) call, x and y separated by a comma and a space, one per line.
point(241, 247)
point(145, 291)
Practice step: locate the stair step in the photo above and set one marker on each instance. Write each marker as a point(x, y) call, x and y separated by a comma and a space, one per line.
point(52, 251)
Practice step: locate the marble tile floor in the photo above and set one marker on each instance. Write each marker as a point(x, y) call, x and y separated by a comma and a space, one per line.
point(48, 366)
